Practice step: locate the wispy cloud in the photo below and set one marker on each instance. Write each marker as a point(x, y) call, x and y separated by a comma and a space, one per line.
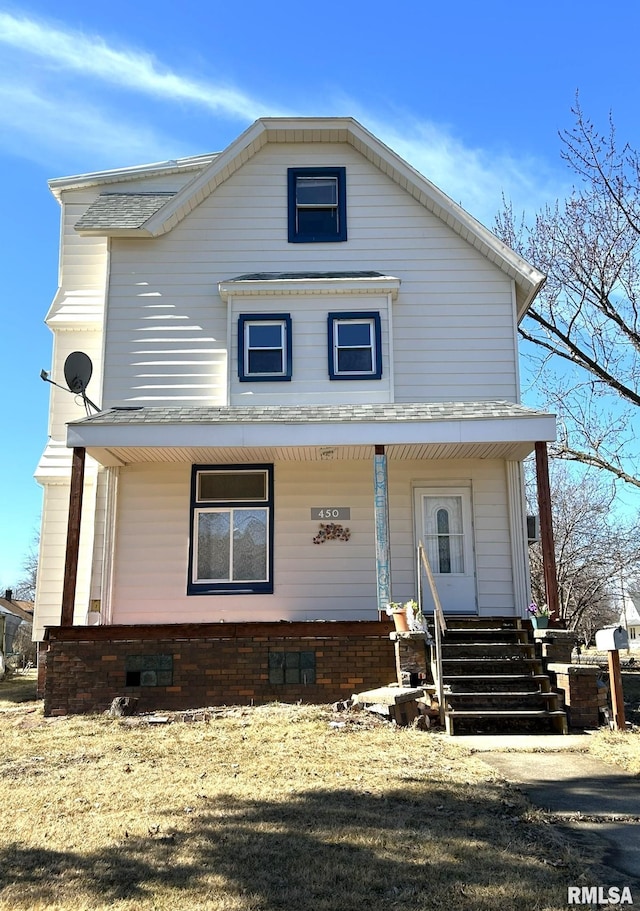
point(136, 71)
point(78, 119)
point(62, 130)
point(473, 177)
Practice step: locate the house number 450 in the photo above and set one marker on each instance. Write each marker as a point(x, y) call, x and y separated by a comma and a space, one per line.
point(330, 512)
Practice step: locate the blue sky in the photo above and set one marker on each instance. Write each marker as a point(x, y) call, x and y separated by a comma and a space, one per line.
point(472, 95)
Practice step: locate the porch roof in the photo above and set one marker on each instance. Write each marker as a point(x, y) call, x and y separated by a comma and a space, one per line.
point(413, 430)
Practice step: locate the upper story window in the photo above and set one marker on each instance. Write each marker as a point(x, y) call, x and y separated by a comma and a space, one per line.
point(355, 346)
point(264, 347)
point(231, 547)
point(317, 205)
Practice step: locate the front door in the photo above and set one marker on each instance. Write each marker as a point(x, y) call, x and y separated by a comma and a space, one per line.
point(443, 524)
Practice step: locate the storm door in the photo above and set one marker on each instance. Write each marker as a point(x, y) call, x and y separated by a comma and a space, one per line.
point(443, 524)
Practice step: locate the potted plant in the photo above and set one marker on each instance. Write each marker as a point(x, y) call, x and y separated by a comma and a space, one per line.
point(539, 615)
point(398, 611)
point(408, 617)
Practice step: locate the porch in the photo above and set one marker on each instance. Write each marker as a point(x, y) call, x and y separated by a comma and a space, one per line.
point(460, 458)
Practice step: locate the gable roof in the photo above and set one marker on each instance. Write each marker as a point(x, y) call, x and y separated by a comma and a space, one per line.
point(215, 170)
point(21, 609)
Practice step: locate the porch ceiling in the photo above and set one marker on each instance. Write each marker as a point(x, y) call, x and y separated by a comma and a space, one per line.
point(312, 433)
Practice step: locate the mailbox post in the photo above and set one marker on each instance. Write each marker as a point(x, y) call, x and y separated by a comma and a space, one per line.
point(611, 640)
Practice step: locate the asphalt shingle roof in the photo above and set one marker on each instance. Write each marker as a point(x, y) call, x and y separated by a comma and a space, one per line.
point(292, 276)
point(122, 210)
point(302, 414)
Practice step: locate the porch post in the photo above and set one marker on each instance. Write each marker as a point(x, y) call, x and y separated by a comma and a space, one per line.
point(381, 508)
point(73, 537)
point(546, 531)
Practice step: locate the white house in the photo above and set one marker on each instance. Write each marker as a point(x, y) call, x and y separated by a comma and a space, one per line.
point(630, 617)
point(306, 360)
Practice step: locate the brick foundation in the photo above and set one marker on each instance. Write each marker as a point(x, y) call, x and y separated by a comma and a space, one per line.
point(411, 658)
point(554, 645)
point(584, 696)
point(85, 668)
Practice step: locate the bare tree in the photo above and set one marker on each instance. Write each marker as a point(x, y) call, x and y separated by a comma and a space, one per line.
point(25, 590)
point(593, 548)
point(24, 646)
point(583, 329)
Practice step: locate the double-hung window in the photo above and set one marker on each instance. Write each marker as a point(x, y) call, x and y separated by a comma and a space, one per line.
point(355, 346)
point(231, 547)
point(317, 205)
point(264, 347)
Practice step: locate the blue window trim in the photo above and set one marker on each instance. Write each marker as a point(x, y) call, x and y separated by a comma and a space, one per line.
point(298, 237)
point(283, 318)
point(361, 315)
point(230, 588)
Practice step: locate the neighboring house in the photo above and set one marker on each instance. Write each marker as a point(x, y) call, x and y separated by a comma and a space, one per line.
point(306, 359)
point(13, 615)
point(630, 617)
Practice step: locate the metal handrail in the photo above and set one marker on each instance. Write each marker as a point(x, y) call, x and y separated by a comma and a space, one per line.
point(439, 622)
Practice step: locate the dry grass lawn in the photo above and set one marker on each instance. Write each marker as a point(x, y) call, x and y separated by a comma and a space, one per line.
point(263, 809)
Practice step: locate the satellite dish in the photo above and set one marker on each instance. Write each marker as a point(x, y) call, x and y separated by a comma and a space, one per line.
point(77, 371)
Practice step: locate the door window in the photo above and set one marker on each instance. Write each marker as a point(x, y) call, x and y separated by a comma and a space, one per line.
point(444, 534)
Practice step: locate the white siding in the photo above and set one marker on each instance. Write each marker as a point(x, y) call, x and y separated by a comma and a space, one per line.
point(310, 383)
point(53, 543)
point(335, 580)
point(453, 323)
point(65, 406)
point(83, 266)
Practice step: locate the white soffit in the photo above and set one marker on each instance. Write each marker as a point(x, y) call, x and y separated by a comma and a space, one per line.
point(123, 455)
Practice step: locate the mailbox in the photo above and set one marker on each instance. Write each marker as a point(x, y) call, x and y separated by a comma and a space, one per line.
point(612, 639)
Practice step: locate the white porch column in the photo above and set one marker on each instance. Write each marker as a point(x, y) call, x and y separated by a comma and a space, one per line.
point(108, 558)
point(517, 527)
point(381, 508)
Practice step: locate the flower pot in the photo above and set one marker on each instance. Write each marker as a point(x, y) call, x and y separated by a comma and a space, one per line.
point(540, 622)
point(400, 620)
